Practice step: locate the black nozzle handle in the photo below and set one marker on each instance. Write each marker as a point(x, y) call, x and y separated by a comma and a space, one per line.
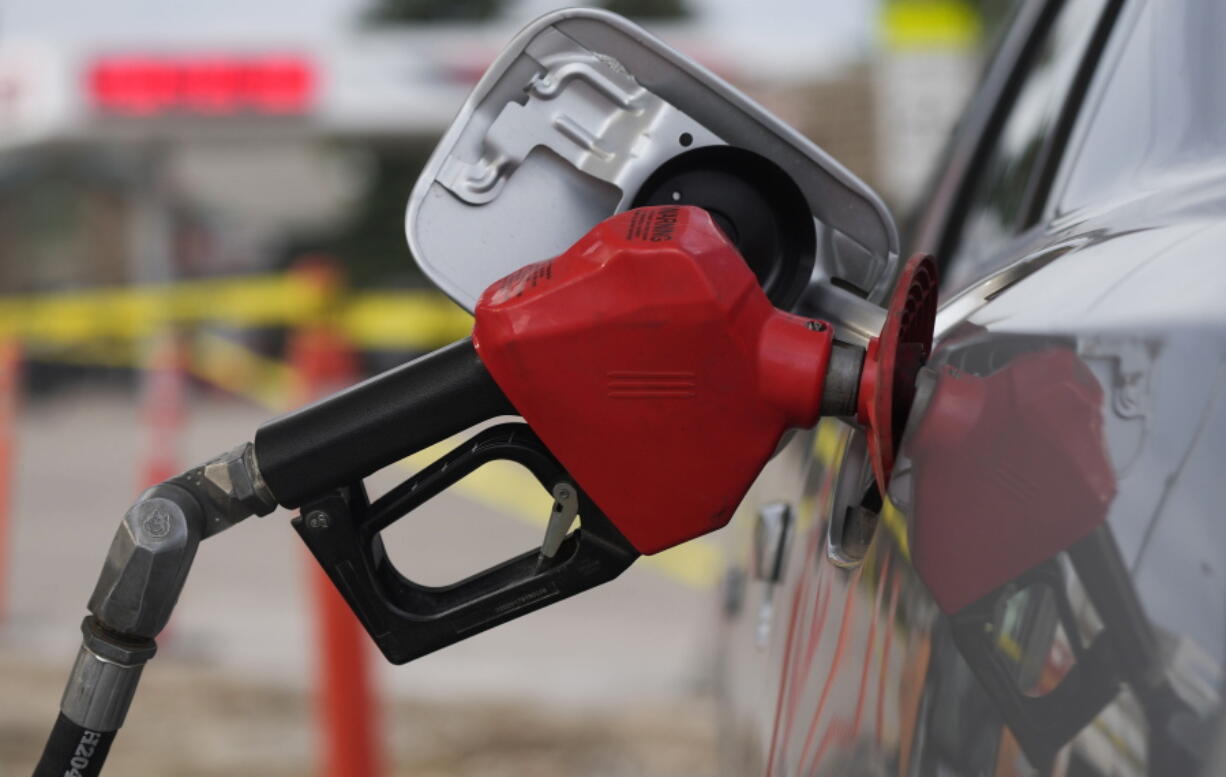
point(347, 436)
point(407, 619)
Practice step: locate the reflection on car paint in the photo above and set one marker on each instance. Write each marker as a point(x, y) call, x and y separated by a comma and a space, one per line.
point(1036, 653)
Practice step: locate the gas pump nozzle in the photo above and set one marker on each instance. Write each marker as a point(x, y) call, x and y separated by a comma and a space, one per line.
point(654, 379)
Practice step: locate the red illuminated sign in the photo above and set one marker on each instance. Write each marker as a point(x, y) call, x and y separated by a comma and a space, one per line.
point(202, 86)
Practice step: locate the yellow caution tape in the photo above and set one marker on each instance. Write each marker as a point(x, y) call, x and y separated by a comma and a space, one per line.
point(403, 320)
point(138, 312)
point(408, 320)
point(227, 364)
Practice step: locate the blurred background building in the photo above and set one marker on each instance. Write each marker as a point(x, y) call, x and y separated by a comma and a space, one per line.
point(162, 167)
point(257, 130)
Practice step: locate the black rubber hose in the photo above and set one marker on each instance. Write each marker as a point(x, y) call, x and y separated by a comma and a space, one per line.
point(342, 439)
point(73, 751)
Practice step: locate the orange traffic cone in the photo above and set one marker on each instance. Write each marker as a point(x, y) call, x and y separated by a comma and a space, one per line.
point(323, 362)
point(163, 409)
point(10, 387)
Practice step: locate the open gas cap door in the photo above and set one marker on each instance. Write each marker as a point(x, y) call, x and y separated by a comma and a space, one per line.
point(585, 115)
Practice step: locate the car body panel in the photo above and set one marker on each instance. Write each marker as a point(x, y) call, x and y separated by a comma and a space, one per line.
point(574, 121)
point(1096, 342)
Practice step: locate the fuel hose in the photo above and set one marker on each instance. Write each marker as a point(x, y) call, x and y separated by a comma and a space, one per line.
point(74, 751)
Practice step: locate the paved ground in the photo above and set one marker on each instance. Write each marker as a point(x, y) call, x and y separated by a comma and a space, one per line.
point(191, 721)
point(633, 647)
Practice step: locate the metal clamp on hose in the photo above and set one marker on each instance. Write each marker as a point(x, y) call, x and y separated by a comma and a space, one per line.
point(141, 579)
point(104, 677)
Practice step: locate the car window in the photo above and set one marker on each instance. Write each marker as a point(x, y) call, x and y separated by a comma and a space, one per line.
point(997, 208)
point(1163, 111)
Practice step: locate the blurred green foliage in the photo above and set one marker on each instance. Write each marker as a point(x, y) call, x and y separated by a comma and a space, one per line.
point(647, 10)
point(425, 11)
point(411, 11)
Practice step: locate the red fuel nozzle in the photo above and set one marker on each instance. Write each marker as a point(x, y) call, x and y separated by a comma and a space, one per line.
point(656, 379)
point(653, 366)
